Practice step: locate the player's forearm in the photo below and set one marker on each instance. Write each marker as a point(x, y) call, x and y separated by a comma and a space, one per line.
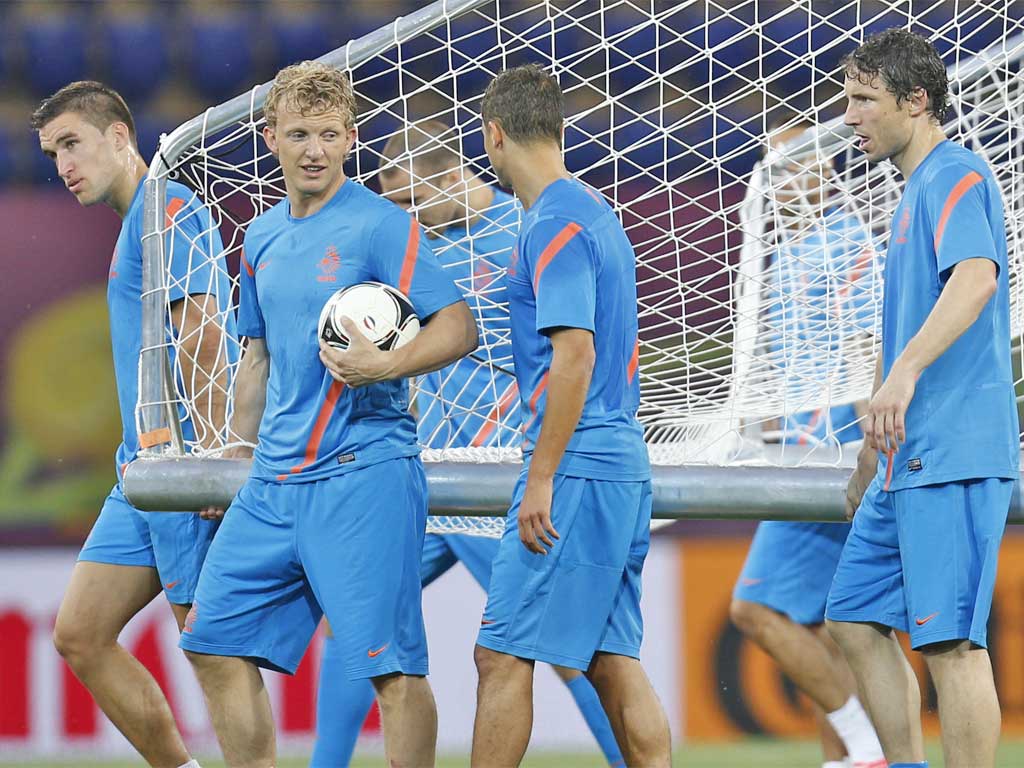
point(964, 296)
point(572, 365)
point(203, 362)
point(450, 335)
point(250, 392)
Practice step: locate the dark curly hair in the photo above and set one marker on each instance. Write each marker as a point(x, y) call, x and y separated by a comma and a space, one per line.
point(528, 102)
point(905, 62)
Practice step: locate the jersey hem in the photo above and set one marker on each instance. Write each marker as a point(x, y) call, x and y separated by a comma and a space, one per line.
point(945, 478)
point(264, 473)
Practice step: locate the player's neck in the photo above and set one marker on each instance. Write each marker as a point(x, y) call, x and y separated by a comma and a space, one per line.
point(303, 206)
point(918, 148)
point(537, 168)
point(123, 191)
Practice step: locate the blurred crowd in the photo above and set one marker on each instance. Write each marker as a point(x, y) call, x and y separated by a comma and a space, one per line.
point(171, 59)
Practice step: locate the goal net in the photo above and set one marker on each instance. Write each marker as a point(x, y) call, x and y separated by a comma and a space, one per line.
point(715, 130)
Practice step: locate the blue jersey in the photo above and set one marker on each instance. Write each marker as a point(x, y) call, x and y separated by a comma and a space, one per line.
point(193, 249)
point(470, 403)
point(962, 421)
point(314, 426)
point(574, 267)
point(821, 288)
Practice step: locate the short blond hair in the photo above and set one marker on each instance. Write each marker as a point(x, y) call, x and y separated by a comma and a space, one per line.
point(311, 88)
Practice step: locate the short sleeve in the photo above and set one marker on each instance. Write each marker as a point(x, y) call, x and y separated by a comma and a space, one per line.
point(400, 256)
point(250, 317)
point(192, 247)
point(563, 270)
point(959, 213)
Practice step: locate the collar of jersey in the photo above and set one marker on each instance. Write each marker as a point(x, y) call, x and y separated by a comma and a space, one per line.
point(339, 195)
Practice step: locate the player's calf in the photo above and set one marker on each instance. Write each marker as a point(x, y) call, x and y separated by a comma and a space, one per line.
point(409, 718)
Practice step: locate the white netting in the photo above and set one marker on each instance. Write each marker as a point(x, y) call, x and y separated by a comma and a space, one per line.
point(758, 272)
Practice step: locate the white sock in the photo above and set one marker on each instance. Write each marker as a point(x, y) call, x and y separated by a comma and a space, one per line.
point(851, 722)
point(836, 764)
point(191, 764)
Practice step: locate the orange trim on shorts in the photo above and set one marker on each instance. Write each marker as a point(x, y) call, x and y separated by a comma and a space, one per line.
point(958, 191)
point(508, 397)
point(155, 437)
point(888, 469)
point(173, 207)
point(409, 265)
point(322, 418)
point(568, 233)
point(634, 362)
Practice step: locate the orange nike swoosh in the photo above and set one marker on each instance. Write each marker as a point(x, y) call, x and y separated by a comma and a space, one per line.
point(484, 622)
point(926, 619)
point(378, 652)
point(172, 585)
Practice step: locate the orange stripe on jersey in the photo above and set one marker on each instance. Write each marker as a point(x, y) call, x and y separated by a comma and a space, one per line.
point(958, 191)
point(245, 263)
point(409, 265)
point(173, 207)
point(634, 362)
point(313, 446)
point(568, 233)
point(888, 468)
point(508, 397)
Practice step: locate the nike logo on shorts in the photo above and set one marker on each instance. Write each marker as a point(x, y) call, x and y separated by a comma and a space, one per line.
point(373, 654)
point(485, 622)
point(172, 584)
point(926, 619)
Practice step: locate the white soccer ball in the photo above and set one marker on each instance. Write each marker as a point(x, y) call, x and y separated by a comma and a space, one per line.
point(384, 315)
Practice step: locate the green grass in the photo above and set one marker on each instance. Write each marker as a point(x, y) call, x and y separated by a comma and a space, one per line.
point(753, 753)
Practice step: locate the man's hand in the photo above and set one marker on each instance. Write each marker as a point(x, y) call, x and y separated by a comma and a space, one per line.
point(863, 474)
point(234, 452)
point(361, 364)
point(885, 428)
point(535, 516)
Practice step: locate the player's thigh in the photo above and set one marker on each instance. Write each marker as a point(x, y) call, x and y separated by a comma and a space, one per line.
point(868, 582)
point(437, 558)
point(180, 543)
point(949, 539)
point(789, 567)
point(101, 599)
point(253, 599)
point(361, 550)
point(556, 607)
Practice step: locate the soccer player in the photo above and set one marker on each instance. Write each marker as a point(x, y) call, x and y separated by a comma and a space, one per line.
point(472, 227)
point(933, 483)
point(779, 599)
point(331, 519)
point(131, 556)
point(565, 585)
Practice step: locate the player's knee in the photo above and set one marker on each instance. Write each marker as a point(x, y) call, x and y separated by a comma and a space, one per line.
point(489, 664)
point(747, 616)
point(854, 638)
point(75, 641)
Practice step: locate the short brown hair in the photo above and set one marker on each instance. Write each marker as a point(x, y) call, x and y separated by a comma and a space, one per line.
point(431, 145)
point(311, 88)
point(99, 104)
point(527, 102)
point(905, 62)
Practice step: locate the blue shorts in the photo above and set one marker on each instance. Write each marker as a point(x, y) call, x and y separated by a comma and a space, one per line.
point(789, 568)
point(441, 552)
point(923, 560)
point(175, 543)
point(288, 553)
point(584, 595)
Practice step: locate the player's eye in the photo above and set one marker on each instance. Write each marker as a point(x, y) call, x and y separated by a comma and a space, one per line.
point(330, 136)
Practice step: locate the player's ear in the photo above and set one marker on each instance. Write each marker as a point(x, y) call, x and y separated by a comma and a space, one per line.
point(494, 132)
point(270, 137)
point(918, 101)
point(119, 135)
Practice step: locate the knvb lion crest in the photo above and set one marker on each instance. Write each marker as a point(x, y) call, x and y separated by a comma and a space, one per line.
point(329, 264)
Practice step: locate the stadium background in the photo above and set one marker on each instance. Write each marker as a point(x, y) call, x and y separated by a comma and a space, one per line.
point(59, 420)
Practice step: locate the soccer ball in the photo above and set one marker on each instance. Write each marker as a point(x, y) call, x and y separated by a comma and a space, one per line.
point(384, 315)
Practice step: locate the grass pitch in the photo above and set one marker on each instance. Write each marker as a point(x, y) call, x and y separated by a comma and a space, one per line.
point(752, 753)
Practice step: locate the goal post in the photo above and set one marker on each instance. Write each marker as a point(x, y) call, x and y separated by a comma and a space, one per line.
point(758, 267)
